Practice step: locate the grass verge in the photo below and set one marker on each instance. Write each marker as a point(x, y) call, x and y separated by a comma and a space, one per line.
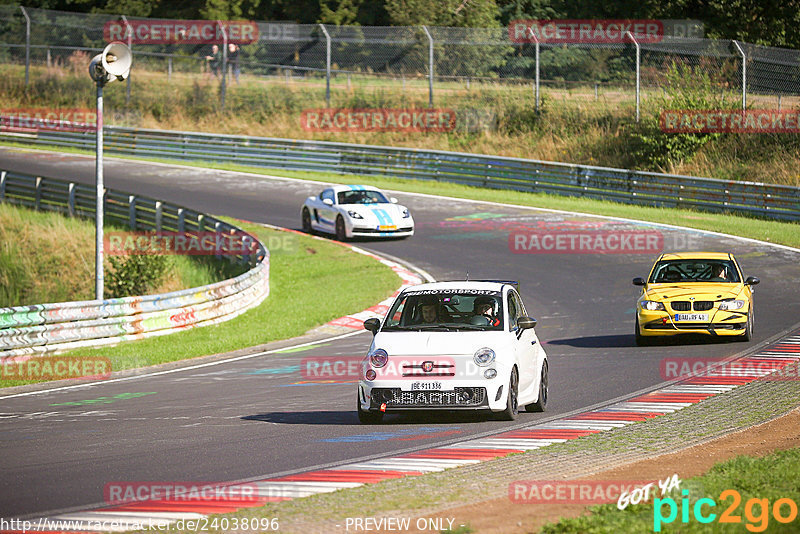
point(48, 257)
point(311, 283)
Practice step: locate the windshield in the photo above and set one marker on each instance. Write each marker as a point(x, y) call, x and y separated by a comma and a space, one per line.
point(363, 196)
point(694, 271)
point(446, 311)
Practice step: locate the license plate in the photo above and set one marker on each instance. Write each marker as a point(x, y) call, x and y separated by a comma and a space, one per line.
point(426, 386)
point(387, 227)
point(692, 317)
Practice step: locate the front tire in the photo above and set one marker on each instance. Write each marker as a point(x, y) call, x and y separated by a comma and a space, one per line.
point(306, 218)
point(541, 403)
point(367, 417)
point(341, 232)
point(748, 329)
point(641, 341)
point(512, 406)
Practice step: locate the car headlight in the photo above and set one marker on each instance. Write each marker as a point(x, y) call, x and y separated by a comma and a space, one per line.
point(406, 214)
point(652, 305)
point(378, 358)
point(354, 214)
point(731, 305)
point(484, 356)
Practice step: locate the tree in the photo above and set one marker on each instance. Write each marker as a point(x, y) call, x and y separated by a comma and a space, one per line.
point(463, 13)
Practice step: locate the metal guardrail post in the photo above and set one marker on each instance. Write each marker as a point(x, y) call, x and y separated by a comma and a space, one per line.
point(430, 66)
point(327, 65)
point(159, 214)
point(27, 45)
point(129, 33)
point(71, 200)
point(744, 73)
point(132, 211)
point(99, 279)
point(181, 221)
point(630, 36)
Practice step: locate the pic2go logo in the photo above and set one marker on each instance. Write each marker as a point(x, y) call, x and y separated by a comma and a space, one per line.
point(756, 511)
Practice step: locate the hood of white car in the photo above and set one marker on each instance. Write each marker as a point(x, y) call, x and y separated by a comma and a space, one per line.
point(439, 343)
point(377, 214)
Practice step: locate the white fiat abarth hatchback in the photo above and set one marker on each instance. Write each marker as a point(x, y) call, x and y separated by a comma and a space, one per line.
point(454, 346)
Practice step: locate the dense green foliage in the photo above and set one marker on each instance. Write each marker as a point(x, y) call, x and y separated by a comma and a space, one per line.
point(134, 275)
point(765, 22)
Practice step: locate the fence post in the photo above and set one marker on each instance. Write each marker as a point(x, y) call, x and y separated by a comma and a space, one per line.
point(630, 36)
point(224, 61)
point(536, 40)
point(3, 175)
point(181, 221)
point(327, 65)
point(430, 66)
point(169, 67)
point(744, 73)
point(27, 45)
point(129, 32)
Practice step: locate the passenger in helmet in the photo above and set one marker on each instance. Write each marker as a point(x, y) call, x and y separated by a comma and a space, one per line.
point(484, 307)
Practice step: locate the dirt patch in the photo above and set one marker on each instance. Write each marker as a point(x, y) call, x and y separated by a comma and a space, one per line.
point(502, 516)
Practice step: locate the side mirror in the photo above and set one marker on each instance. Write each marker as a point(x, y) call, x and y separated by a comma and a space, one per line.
point(752, 281)
point(393, 200)
point(327, 202)
point(524, 323)
point(638, 281)
point(372, 324)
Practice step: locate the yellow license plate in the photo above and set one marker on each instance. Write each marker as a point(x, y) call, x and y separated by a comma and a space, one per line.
point(387, 227)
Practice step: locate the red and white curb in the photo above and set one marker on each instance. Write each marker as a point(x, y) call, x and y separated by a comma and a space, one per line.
point(637, 408)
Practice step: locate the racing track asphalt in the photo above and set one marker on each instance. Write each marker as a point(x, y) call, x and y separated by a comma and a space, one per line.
point(252, 417)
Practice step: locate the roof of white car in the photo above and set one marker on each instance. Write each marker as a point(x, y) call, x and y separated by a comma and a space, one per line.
point(462, 285)
point(339, 188)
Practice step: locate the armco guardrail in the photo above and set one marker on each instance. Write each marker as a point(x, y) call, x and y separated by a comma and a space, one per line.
point(43, 328)
point(645, 188)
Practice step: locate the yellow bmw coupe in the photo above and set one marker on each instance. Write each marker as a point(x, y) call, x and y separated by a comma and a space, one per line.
point(695, 293)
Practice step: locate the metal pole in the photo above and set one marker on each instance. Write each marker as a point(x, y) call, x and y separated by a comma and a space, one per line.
point(224, 62)
point(327, 65)
point(537, 71)
point(98, 260)
point(638, 64)
point(129, 32)
point(27, 45)
point(744, 74)
point(430, 66)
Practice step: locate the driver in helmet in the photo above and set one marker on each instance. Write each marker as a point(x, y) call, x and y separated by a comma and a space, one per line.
point(485, 307)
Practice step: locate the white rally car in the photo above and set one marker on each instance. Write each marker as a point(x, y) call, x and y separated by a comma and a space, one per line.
point(454, 346)
point(356, 211)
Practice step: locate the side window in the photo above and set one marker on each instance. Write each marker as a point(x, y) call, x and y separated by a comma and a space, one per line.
point(513, 311)
point(328, 193)
point(520, 306)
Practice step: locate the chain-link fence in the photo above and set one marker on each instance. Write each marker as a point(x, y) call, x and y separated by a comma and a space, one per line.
point(435, 60)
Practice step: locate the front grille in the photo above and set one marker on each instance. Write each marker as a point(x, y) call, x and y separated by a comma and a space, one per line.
point(376, 231)
point(703, 305)
point(460, 397)
point(680, 305)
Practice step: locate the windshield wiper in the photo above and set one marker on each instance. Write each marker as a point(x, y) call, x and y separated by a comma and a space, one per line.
point(471, 327)
point(422, 327)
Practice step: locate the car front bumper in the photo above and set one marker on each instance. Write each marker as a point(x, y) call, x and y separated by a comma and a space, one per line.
point(662, 323)
point(485, 394)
